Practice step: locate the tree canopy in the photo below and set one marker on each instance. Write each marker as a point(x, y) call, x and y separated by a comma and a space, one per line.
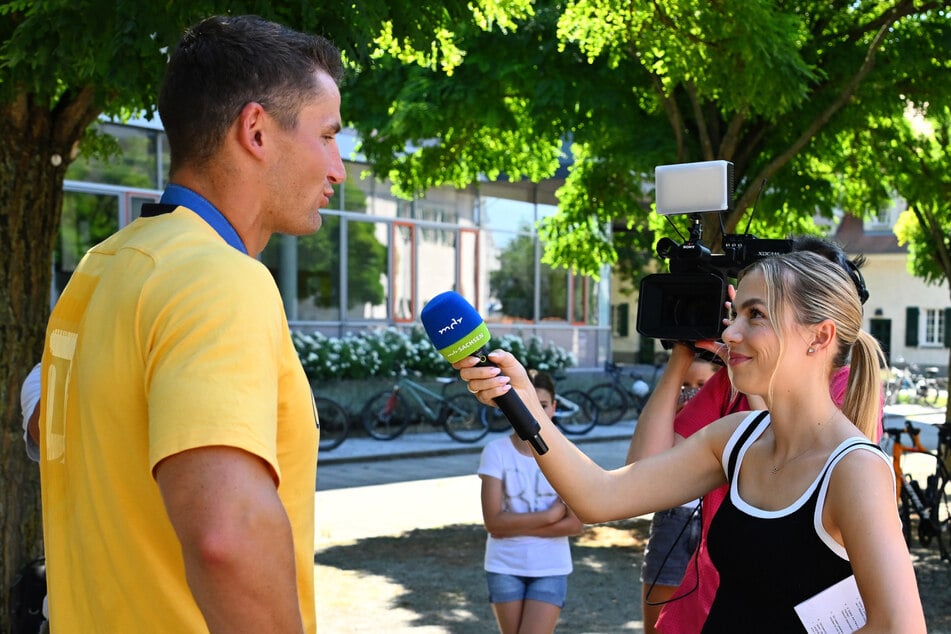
point(787, 91)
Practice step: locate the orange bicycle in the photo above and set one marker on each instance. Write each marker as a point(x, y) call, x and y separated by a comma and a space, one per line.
point(929, 504)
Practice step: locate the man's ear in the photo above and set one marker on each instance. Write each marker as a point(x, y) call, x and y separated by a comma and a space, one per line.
point(250, 126)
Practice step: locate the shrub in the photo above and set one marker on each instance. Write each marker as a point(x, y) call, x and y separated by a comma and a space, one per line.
point(535, 353)
point(390, 352)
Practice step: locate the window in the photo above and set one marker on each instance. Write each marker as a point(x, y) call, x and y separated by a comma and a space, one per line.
point(367, 273)
point(365, 194)
point(934, 327)
point(436, 261)
point(884, 219)
point(927, 327)
point(553, 293)
point(468, 265)
point(87, 220)
point(402, 262)
point(142, 160)
point(378, 257)
point(307, 270)
point(509, 264)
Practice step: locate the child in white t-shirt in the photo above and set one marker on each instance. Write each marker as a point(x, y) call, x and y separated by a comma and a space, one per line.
point(527, 555)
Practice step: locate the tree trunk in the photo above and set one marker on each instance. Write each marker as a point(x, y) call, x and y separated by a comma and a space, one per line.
point(33, 161)
point(947, 402)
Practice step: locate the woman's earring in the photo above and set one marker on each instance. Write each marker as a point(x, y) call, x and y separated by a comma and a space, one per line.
point(810, 350)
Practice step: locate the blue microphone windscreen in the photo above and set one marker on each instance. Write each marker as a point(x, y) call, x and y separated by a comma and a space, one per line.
point(454, 326)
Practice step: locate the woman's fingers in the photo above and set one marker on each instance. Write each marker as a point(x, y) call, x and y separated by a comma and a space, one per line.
point(487, 382)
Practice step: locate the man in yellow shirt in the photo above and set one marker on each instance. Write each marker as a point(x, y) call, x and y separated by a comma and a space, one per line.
point(178, 443)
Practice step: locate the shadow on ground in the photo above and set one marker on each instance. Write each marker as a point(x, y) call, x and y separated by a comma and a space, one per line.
point(934, 585)
point(431, 582)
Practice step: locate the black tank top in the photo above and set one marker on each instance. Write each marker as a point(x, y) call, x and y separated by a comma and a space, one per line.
point(770, 561)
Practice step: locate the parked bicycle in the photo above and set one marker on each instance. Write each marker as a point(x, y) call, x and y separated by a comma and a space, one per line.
point(576, 413)
point(618, 397)
point(334, 422)
point(387, 414)
point(914, 385)
point(927, 503)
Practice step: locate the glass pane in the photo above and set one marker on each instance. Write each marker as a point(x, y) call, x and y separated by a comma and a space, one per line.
point(553, 293)
point(136, 164)
point(307, 270)
point(508, 215)
point(468, 265)
point(87, 220)
point(510, 266)
point(578, 301)
point(594, 303)
point(366, 194)
point(446, 205)
point(367, 274)
point(545, 211)
point(402, 266)
point(350, 197)
point(437, 258)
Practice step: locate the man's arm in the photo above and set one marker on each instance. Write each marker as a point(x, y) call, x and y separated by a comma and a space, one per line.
point(236, 539)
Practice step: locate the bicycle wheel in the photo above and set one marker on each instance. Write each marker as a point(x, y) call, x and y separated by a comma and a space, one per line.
point(581, 417)
point(495, 420)
point(463, 418)
point(939, 503)
point(929, 392)
point(334, 423)
point(386, 415)
point(611, 402)
point(904, 512)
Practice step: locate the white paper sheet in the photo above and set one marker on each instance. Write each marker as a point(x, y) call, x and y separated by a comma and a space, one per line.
point(836, 610)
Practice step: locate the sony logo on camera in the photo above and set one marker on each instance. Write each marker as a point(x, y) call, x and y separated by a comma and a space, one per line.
point(687, 304)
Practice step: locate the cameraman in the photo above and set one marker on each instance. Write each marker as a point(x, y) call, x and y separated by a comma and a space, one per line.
point(660, 426)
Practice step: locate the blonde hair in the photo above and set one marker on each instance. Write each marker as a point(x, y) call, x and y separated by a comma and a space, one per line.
point(814, 289)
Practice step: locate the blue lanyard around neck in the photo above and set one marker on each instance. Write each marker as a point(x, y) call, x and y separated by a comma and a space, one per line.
point(184, 197)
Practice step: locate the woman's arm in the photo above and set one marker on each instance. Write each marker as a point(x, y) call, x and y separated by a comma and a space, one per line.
point(860, 513)
point(684, 473)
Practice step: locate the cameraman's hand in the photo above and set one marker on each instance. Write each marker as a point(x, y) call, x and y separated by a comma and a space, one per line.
point(719, 348)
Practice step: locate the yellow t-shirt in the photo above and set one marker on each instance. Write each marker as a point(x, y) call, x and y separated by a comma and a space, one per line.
point(165, 339)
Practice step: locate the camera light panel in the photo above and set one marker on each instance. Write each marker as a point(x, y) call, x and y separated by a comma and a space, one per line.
point(694, 187)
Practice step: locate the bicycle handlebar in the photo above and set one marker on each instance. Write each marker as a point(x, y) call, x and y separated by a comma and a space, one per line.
point(909, 429)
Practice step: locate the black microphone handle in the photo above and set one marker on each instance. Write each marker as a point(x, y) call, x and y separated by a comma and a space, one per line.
point(515, 411)
point(521, 420)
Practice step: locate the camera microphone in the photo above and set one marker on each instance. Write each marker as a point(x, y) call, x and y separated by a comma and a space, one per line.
point(458, 331)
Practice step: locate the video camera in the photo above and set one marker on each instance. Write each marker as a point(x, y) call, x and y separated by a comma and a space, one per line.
point(687, 304)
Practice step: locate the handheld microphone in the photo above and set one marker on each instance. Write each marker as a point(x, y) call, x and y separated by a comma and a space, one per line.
point(457, 331)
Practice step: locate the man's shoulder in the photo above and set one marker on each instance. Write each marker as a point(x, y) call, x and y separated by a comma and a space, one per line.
point(183, 241)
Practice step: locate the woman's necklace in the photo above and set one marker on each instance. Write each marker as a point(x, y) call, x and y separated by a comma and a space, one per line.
point(776, 469)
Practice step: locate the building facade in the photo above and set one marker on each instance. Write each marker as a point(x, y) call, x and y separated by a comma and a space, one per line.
point(911, 319)
point(377, 259)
